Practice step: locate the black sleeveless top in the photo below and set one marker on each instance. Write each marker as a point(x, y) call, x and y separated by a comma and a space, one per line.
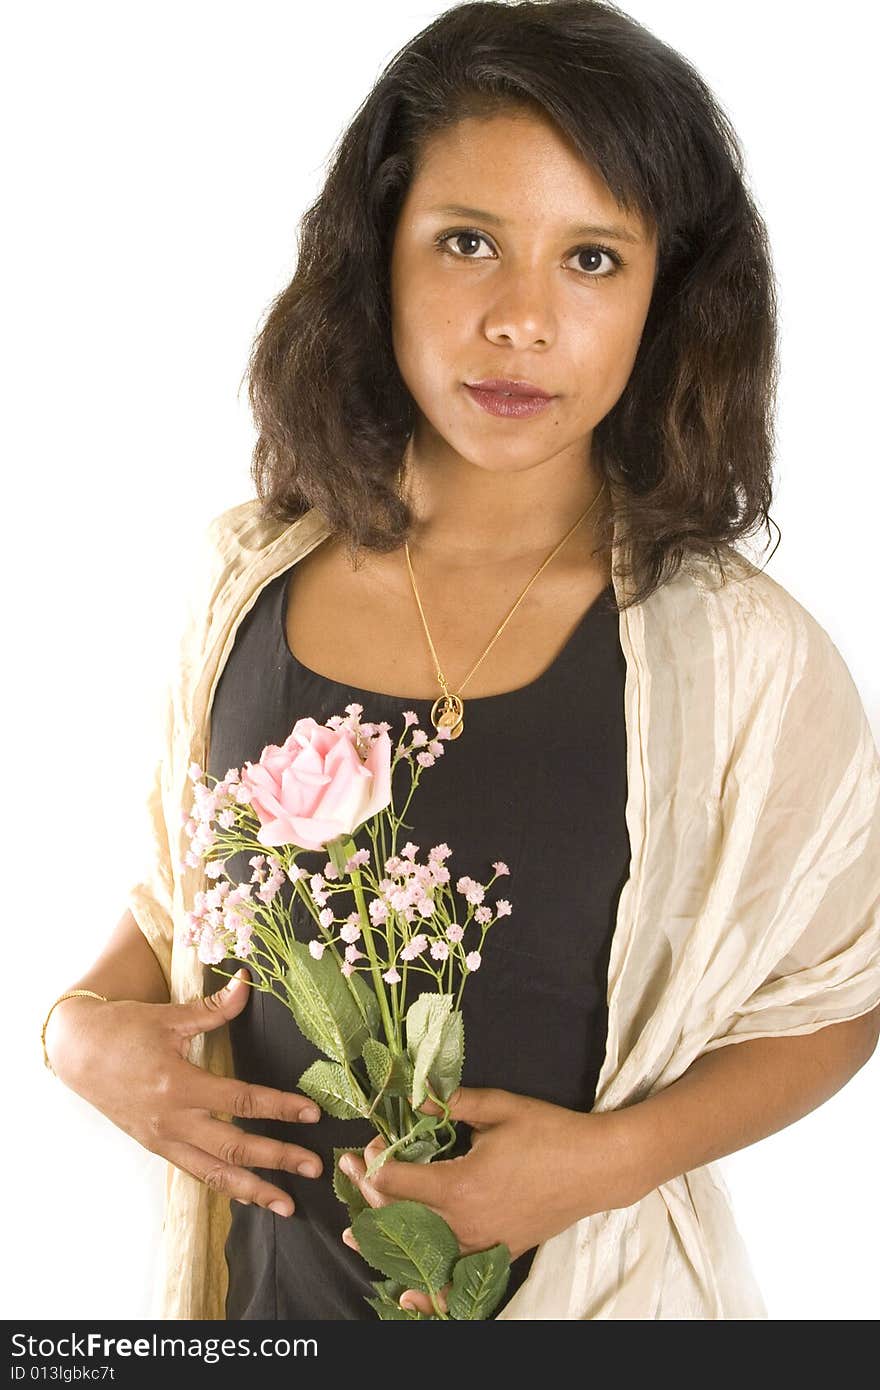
point(538, 780)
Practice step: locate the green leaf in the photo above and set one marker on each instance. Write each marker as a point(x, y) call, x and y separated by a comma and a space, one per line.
point(419, 1151)
point(368, 1002)
point(321, 1003)
point(345, 1188)
point(380, 1064)
point(386, 1303)
point(446, 1068)
point(330, 1085)
point(409, 1242)
point(389, 1290)
point(391, 1312)
point(424, 1125)
point(401, 1080)
point(428, 1021)
point(420, 1015)
point(478, 1283)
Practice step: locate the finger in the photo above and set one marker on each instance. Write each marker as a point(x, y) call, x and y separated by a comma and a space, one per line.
point(415, 1298)
point(243, 1150)
point(373, 1149)
point(238, 1183)
point(245, 1101)
point(476, 1105)
point(211, 1011)
point(349, 1239)
point(397, 1182)
point(354, 1167)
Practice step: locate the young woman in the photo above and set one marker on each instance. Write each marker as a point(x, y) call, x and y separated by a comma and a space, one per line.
point(514, 410)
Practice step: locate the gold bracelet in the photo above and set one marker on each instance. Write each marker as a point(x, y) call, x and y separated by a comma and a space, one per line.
point(71, 994)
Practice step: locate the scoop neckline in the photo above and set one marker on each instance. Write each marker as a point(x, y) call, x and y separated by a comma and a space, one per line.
point(427, 700)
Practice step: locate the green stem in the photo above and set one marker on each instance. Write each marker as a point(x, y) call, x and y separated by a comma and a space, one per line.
point(367, 933)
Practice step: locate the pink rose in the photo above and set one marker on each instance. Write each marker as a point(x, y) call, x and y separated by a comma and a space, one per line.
point(318, 786)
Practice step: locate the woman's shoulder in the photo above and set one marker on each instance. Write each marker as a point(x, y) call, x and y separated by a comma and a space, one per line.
point(758, 629)
point(231, 547)
point(243, 532)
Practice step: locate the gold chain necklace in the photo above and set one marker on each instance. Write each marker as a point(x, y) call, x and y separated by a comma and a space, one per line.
point(448, 709)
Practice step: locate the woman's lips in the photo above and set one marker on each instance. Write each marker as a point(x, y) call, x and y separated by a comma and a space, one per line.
point(518, 407)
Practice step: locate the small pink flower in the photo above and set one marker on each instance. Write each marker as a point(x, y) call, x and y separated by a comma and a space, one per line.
point(269, 889)
point(473, 960)
point(243, 945)
point(212, 947)
point(475, 893)
point(415, 947)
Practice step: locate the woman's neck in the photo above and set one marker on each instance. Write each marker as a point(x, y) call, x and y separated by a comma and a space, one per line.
point(473, 515)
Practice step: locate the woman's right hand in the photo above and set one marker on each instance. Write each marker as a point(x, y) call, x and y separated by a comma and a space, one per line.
point(128, 1059)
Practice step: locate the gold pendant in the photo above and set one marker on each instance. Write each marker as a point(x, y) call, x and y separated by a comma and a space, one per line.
point(447, 712)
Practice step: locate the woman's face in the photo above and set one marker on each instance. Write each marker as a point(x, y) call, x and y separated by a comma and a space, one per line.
point(516, 288)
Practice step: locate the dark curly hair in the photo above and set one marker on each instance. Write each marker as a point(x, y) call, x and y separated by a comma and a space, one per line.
point(688, 446)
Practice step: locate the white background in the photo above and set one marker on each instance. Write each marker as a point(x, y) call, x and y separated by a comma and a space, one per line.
point(158, 158)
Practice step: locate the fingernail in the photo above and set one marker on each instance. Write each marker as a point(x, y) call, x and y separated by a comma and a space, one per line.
point(279, 1208)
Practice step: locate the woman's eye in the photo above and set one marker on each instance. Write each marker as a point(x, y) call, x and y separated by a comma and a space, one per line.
point(594, 255)
point(456, 237)
point(590, 258)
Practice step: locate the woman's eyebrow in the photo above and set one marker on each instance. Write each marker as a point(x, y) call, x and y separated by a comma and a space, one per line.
point(579, 229)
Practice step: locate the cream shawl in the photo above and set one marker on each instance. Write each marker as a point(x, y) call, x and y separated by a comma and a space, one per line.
point(752, 906)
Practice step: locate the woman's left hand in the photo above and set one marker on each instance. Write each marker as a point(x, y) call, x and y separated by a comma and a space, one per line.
point(533, 1169)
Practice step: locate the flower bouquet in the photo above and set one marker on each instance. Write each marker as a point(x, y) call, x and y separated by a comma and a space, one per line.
point(354, 987)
